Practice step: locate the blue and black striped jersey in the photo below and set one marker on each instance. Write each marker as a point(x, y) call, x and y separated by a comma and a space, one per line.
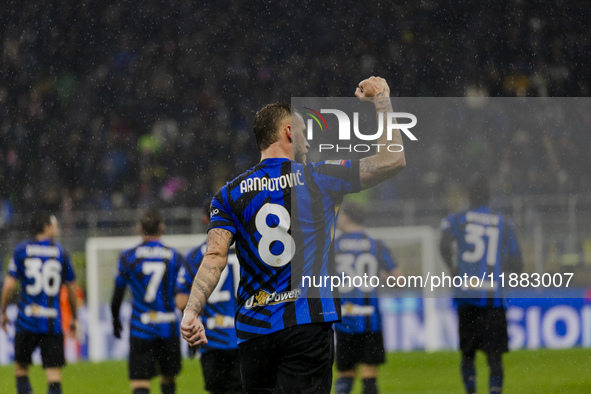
point(357, 255)
point(218, 314)
point(486, 244)
point(283, 216)
point(41, 267)
point(151, 270)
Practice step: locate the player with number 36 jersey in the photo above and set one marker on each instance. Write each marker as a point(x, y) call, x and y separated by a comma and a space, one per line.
point(41, 266)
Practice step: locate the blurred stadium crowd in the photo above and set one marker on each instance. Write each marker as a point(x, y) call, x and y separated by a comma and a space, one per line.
point(109, 105)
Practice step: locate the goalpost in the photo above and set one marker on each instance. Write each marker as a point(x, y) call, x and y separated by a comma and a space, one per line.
point(102, 254)
point(413, 247)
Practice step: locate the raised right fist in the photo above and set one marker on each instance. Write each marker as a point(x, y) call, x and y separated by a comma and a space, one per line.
point(372, 87)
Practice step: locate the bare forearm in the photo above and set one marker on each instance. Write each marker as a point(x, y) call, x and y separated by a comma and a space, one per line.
point(205, 282)
point(181, 301)
point(208, 276)
point(384, 163)
point(72, 300)
point(7, 292)
point(4, 300)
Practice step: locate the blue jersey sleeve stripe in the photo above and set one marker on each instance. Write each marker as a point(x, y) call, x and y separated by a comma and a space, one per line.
point(223, 225)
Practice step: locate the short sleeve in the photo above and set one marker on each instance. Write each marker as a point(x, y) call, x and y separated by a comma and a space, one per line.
point(338, 177)
point(219, 214)
point(68, 274)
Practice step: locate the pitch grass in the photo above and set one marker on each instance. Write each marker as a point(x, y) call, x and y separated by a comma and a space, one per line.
point(539, 371)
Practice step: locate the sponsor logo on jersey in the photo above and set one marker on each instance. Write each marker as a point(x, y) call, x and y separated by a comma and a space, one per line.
point(158, 317)
point(263, 298)
point(350, 309)
point(219, 321)
point(40, 311)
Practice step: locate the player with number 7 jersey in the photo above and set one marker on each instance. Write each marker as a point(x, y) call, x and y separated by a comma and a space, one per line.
point(150, 269)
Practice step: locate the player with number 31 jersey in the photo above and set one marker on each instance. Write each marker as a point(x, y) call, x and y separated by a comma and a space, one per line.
point(486, 246)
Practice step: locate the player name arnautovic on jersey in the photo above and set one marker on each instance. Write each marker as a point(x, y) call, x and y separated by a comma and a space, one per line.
point(42, 267)
point(151, 270)
point(218, 314)
point(485, 243)
point(282, 231)
point(357, 254)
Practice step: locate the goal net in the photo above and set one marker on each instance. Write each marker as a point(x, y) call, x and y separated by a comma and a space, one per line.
point(414, 248)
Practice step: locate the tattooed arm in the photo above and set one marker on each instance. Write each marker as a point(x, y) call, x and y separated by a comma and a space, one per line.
point(207, 278)
point(383, 164)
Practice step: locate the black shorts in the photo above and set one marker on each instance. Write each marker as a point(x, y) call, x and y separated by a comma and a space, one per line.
point(483, 328)
point(294, 360)
point(52, 348)
point(151, 357)
point(353, 349)
point(221, 370)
